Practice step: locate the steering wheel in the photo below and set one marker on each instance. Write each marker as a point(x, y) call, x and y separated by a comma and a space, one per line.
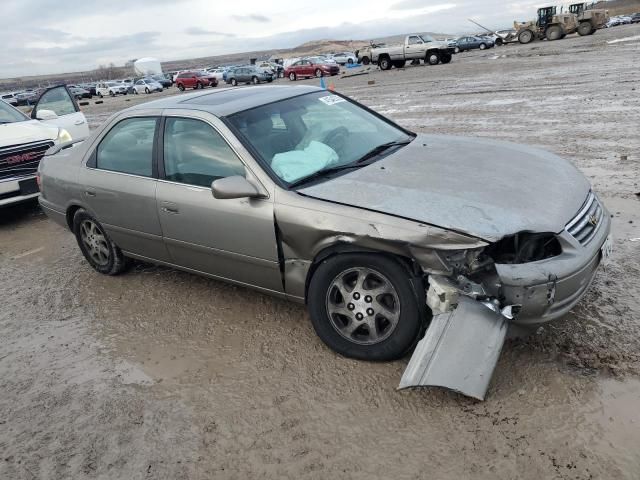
point(337, 138)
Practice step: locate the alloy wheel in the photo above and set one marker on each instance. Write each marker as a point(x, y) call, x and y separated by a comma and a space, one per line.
point(95, 242)
point(363, 306)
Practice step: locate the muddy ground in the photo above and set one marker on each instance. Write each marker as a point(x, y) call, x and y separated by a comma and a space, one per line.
point(162, 374)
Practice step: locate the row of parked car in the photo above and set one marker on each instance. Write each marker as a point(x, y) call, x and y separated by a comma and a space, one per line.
point(623, 20)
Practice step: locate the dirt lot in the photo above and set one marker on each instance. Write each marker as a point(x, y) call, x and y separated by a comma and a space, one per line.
point(162, 374)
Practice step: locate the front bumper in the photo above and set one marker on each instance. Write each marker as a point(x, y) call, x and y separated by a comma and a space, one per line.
point(18, 190)
point(548, 289)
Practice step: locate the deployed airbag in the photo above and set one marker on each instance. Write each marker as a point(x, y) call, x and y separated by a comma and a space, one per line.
point(297, 164)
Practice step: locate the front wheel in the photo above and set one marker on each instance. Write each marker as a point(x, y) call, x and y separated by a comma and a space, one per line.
point(457, 50)
point(181, 87)
point(234, 82)
point(146, 90)
point(483, 46)
point(255, 80)
point(433, 58)
point(499, 42)
point(96, 246)
point(363, 306)
point(584, 29)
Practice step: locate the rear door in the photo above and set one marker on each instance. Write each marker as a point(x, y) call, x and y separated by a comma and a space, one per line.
point(120, 181)
point(56, 106)
point(232, 239)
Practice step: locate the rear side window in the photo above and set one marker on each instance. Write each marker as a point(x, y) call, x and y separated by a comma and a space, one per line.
point(196, 154)
point(128, 147)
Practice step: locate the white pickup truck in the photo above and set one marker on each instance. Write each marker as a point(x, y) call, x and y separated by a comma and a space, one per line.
point(415, 47)
point(55, 119)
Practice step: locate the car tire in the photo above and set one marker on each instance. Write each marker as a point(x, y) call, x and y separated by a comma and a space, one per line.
point(397, 314)
point(181, 87)
point(433, 58)
point(234, 82)
point(385, 63)
point(135, 92)
point(96, 246)
point(483, 46)
point(292, 76)
point(457, 50)
point(146, 90)
point(350, 61)
point(255, 80)
point(318, 73)
point(100, 95)
point(365, 60)
point(499, 42)
point(112, 94)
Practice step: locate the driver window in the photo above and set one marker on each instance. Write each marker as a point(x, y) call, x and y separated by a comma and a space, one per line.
point(58, 100)
point(195, 154)
point(414, 40)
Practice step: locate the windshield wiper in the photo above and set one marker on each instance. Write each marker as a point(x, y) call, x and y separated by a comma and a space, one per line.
point(357, 164)
point(379, 149)
point(322, 173)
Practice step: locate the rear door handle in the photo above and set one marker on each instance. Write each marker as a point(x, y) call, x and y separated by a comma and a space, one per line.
point(171, 209)
point(90, 193)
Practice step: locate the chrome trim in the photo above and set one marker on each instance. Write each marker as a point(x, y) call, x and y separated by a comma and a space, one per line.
point(590, 214)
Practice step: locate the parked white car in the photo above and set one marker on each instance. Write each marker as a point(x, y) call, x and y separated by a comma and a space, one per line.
point(216, 72)
point(344, 58)
point(110, 88)
point(55, 118)
point(146, 85)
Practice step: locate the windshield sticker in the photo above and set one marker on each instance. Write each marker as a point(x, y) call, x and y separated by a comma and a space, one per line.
point(331, 99)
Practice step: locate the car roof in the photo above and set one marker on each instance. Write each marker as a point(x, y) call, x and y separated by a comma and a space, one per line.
point(227, 101)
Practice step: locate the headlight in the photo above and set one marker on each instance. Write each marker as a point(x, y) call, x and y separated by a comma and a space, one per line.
point(63, 136)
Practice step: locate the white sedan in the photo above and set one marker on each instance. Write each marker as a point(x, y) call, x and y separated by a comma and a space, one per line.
point(146, 85)
point(343, 58)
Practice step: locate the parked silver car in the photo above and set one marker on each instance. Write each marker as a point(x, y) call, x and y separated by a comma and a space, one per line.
point(307, 195)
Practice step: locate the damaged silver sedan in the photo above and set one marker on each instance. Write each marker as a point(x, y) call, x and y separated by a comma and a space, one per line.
point(395, 241)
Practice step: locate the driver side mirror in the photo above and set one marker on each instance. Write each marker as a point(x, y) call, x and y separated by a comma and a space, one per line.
point(46, 114)
point(234, 187)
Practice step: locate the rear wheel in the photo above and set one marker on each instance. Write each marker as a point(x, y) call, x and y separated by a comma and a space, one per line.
point(350, 61)
point(292, 77)
point(146, 90)
point(318, 73)
point(526, 36)
point(554, 32)
point(585, 28)
point(499, 42)
point(366, 60)
point(96, 246)
point(433, 58)
point(363, 306)
point(385, 63)
point(483, 46)
point(255, 80)
point(180, 87)
point(457, 50)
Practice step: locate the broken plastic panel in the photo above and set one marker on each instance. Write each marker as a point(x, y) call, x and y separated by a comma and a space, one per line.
point(459, 351)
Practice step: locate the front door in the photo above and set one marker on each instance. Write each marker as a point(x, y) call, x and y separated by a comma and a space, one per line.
point(120, 186)
point(232, 239)
point(56, 106)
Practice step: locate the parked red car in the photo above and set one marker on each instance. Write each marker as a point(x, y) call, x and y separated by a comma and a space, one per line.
point(195, 80)
point(310, 67)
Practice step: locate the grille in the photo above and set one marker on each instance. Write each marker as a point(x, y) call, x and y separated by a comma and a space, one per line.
point(22, 160)
point(585, 225)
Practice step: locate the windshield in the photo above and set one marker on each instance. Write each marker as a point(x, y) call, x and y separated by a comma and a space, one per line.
point(8, 114)
point(301, 136)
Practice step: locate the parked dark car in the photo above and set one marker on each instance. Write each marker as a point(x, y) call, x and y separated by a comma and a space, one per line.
point(249, 74)
point(79, 92)
point(162, 80)
point(635, 18)
point(310, 67)
point(470, 43)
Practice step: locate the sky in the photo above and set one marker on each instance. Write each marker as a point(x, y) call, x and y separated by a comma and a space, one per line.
point(57, 36)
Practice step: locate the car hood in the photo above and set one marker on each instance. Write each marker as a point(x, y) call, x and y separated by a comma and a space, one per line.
point(17, 133)
point(480, 187)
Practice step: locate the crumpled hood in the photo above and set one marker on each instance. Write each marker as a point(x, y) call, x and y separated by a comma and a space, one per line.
point(480, 187)
point(17, 133)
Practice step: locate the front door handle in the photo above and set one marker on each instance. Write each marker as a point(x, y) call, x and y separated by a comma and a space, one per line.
point(90, 193)
point(78, 122)
point(170, 207)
